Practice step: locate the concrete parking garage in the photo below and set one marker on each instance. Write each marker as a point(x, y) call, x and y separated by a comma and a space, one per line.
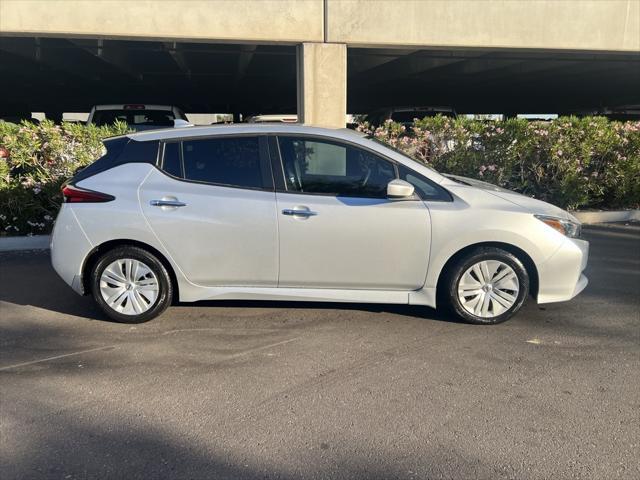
point(56, 75)
point(321, 58)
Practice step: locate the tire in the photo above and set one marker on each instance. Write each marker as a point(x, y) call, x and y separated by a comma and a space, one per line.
point(130, 285)
point(473, 299)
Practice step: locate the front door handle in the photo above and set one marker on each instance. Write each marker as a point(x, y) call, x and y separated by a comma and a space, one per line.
point(167, 203)
point(299, 212)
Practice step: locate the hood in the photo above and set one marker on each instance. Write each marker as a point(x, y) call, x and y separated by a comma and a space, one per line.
point(531, 204)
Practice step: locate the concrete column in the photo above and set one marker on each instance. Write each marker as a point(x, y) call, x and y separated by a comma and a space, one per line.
point(322, 84)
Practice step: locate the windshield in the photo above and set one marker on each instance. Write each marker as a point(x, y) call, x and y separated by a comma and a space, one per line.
point(401, 152)
point(135, 118)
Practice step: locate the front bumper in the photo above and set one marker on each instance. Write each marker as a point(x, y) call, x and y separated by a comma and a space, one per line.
point(560, 278)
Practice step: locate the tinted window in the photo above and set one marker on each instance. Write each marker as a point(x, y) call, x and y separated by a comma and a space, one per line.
point(171, 162)
point(120, 150)
point(425, 188)
point(139, 152)
point(319, 166)
point(226, 161)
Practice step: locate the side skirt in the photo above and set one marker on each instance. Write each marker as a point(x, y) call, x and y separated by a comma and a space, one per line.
point(191, 293)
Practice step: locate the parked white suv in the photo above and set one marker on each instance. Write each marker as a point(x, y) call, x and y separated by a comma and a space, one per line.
point(137, 116)
point(290, 212)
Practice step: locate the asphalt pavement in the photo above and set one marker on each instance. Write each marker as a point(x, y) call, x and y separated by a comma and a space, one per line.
point(232, 390)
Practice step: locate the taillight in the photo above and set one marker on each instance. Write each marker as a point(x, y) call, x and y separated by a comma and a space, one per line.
point(73, 194)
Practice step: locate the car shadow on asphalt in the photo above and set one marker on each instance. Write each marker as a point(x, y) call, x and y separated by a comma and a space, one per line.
point(34, 282)
point(414, 311)
point(29, 279)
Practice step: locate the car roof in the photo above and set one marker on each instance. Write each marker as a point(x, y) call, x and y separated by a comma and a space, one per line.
point(244, 128)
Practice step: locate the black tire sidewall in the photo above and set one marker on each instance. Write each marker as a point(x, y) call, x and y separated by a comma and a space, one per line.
point(166, 289)
point(481, 254)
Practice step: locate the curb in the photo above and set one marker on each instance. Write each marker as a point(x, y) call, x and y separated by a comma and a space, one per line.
point(35, 242)
point(606, 217)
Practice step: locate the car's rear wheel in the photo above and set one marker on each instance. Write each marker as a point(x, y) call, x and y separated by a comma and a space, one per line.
point(131, 285)
point(486, 286)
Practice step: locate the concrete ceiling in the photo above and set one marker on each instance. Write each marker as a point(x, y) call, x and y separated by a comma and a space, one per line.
point(65, 74)
point(74, 74)
point(493, 81)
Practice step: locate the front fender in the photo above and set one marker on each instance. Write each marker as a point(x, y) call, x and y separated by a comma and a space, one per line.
point(454, 231)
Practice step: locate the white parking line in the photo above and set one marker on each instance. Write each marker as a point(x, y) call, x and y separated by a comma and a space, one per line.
point(264, 347)
point(48, 359)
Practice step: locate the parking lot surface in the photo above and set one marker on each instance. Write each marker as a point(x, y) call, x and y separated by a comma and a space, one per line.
point(285, 390)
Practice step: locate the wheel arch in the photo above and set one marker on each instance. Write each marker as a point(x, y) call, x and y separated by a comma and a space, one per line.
point(101, 249)
point(523, 256)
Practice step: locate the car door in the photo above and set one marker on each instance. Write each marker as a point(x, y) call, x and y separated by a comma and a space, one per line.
point(212, 205)
point(337, 227)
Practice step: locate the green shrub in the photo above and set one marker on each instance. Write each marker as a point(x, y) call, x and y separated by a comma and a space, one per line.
point(572, 162)
point(41, 158)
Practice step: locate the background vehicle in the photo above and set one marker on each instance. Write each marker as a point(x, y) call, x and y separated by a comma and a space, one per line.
point(622, 113)
point(138, 116)
point(294, 212)
point(275, 118)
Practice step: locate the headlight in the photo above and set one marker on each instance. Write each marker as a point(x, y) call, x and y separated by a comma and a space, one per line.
point(565, 227)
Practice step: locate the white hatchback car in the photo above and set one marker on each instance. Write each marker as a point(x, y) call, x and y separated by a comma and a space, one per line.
point(292, 212)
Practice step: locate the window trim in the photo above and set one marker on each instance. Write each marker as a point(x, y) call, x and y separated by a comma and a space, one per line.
point(277, 167)
point(161, 159)
point(263, 157)
point(281, 185)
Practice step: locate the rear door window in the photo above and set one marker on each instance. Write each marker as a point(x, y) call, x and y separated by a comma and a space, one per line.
point(227, 161)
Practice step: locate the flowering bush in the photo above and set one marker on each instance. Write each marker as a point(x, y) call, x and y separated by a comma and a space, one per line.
point(40, 158)
point(588, 162)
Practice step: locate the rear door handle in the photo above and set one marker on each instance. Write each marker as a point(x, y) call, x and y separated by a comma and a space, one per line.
point(298, 212)
point(167, 203)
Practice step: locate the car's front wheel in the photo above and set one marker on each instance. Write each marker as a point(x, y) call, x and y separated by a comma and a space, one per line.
point(486, 286)
point(131, 285)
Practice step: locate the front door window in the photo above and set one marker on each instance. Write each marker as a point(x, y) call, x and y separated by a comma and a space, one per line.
point(331, 168)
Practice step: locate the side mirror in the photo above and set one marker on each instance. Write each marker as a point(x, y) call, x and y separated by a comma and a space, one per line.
point(399, 189)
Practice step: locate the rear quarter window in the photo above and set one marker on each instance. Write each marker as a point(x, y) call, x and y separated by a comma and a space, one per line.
point(119, 151)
